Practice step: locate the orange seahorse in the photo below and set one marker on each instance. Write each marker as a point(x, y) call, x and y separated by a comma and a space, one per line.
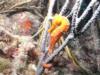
point(60, 24)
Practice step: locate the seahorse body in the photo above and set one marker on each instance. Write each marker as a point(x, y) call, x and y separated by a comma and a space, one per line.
point(60, 24)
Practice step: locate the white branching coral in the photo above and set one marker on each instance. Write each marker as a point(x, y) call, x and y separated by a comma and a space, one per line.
point(44, 36)
point(64, 7)
point(89, 7)
point(75, 14)
point(74, 7)
point(74, 24)
point(46, 24)
point(92, 19)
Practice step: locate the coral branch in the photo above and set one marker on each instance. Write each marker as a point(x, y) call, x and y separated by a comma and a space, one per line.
point(44, 36)
point(70, 14)
point(75, 14)
point(46, 24)
point(91, 4)
point(64, 7)
point(92, 19)
point(75, 21)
